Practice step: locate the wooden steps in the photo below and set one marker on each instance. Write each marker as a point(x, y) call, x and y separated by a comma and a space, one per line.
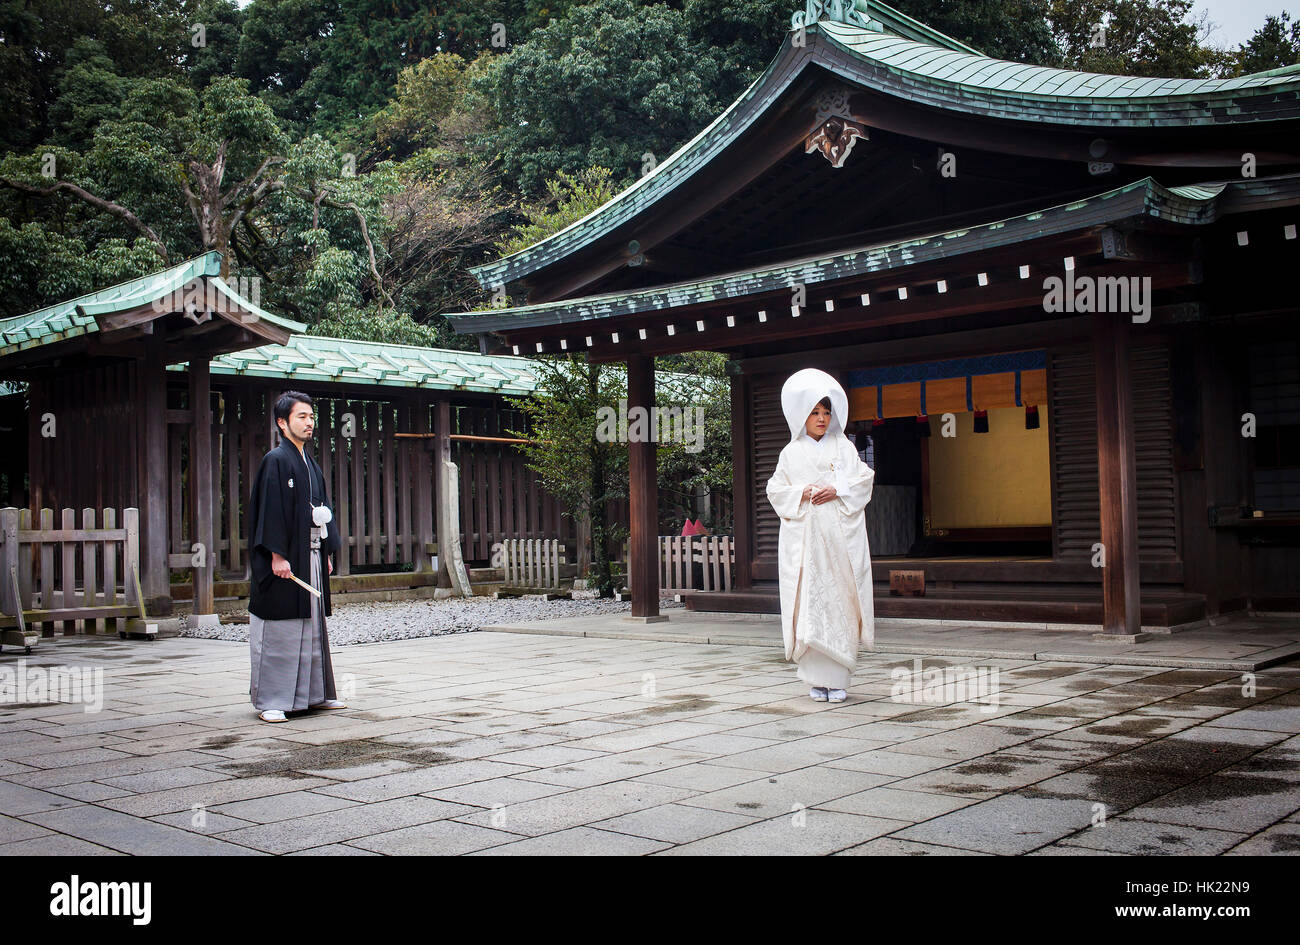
point(1014, 605)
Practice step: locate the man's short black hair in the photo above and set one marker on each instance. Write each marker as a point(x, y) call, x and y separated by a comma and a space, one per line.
point(284, 403)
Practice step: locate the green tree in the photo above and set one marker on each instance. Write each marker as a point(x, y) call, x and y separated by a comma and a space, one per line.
point(331, 65)
point(1130, 37)
point(614, 84)
point(1004, 29)
point(1275, 44)
point(89, 91)
point(696, 382)
point(570, 197)
point(747, 33)
point(222, 23)
point(142, 38)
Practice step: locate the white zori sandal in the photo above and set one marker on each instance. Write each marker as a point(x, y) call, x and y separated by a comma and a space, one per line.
point(330, 704)
point(836, 695)
point(273, 715)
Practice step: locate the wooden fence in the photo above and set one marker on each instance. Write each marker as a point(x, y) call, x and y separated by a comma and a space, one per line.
point(372, 477)
point(84, 579)
point(678, 557)
point(532, 562)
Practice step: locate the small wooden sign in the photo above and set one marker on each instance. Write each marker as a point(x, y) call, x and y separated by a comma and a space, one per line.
point(907, 582)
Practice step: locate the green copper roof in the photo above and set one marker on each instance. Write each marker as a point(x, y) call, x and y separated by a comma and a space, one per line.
point(982, 86)
point(1191, 205)
point(313, 358)
point(78, 316)
point(936, 75)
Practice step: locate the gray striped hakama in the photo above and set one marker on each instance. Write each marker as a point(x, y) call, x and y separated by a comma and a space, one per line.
point(291, 669)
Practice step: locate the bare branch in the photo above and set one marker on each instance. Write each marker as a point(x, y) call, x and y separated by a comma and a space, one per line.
point(248, 181)
point(117, 210)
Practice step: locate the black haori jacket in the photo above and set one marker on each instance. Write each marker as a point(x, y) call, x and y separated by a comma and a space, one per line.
point(280, 522)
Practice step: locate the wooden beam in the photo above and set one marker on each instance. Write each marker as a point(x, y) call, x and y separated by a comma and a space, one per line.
point(1116, 474)
point(1000, 263)
point(884, 309)
point(643, 541)
point(904, 350)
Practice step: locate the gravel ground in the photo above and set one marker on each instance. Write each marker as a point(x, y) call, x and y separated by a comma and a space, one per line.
point(379, 621)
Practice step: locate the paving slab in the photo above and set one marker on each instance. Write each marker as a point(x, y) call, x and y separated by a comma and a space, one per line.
point(1144, 838)
point(800, 833)
point(128, 834)
point(577, 841)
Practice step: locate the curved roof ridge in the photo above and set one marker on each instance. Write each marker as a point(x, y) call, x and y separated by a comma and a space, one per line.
point(983, 72)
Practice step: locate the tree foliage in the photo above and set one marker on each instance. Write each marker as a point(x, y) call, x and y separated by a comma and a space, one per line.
point(1275, 44)
point(1131, 37)
point(570, 197)
point(1004, 29)
point(613, 84)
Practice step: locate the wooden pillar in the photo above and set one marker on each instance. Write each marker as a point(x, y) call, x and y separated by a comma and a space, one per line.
point(742, 505)
point(443, 491)
point(643, 569)
point(36, 445)
point(423, 487)
point(201, 481)
point(155, 576)
point(1116, 474)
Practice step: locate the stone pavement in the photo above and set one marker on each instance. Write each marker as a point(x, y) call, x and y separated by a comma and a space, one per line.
point(1234, 643)
point(506, 743)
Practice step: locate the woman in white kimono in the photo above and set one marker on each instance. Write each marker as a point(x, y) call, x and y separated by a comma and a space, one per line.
point(820, 490)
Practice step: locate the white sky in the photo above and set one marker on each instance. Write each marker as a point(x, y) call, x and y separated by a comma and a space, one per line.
point(1238, 19)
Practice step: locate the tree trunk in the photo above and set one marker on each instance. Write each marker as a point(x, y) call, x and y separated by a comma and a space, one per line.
point(584, 543)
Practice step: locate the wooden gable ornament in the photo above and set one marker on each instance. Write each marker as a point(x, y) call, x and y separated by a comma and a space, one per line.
point(834, 139)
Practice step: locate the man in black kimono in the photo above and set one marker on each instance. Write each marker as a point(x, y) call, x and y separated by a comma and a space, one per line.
point(290, 523)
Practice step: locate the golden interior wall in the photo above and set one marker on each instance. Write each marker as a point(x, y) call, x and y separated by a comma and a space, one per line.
point(988, 480)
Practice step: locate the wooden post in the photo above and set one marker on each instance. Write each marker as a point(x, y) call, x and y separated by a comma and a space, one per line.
point(201, 480)
point(131, 554)
point(36, 445)
point(423, 488)
point(9, 602)
point(643, 569)
point(155, 576)
point(742, 508)
point(89, 564)
point(442, 488)
point(1116, 475)
point(230, 461)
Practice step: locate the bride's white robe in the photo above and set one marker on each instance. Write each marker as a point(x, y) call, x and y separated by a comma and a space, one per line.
point(827, 609)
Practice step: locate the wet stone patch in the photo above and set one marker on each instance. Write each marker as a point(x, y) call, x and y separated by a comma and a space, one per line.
point(343, 754)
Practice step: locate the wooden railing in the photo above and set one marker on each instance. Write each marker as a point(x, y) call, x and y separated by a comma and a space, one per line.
point(81, 578)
